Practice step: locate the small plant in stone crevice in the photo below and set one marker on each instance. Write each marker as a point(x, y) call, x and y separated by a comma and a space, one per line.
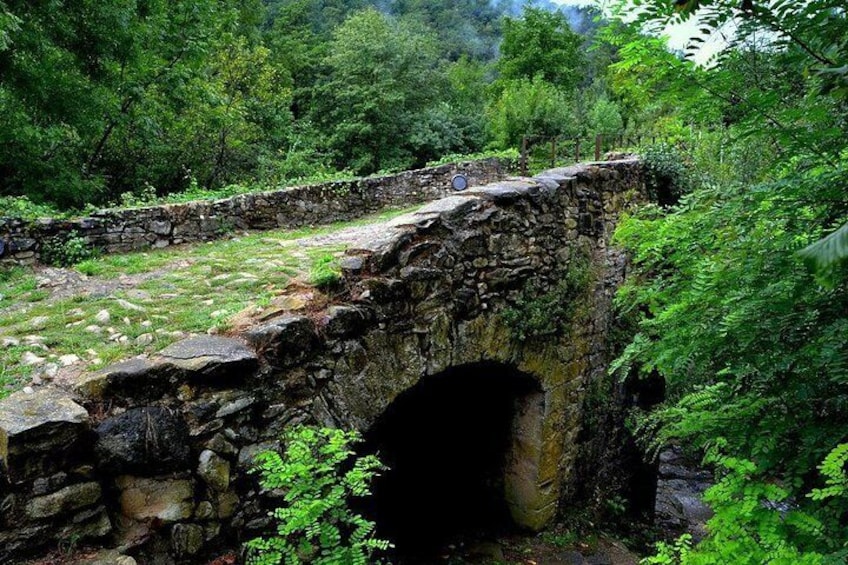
point(317, 476)
point(539, 314)
point(66, 251)
point(325, 273)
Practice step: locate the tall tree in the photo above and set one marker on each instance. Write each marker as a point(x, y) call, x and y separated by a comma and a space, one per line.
point(541, 43)
point(383, 78)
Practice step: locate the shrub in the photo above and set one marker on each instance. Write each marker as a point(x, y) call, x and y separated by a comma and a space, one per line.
point(318, 478)
point(66, 251)
point(667, 178)
point(23, 207)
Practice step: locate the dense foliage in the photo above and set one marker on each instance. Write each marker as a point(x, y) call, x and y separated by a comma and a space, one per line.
point(751, 342)
point(121, 100)
point(317, 479)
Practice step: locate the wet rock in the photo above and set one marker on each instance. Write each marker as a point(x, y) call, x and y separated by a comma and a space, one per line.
point(679, 505)
point(143, 441)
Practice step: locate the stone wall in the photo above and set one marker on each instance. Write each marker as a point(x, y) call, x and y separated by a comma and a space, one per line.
point(149, 456)
point(122, 230)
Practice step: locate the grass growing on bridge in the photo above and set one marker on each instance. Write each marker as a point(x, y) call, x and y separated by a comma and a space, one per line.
point(152, 298)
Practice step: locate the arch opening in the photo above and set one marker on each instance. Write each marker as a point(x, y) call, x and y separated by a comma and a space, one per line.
point(462, 449)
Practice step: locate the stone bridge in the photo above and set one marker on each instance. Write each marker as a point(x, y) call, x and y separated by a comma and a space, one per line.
point(479, 323)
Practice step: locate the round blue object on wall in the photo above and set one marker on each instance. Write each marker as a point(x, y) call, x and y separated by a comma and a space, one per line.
point(459, 182)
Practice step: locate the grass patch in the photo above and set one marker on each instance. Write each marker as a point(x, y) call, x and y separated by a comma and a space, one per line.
point(176, 291)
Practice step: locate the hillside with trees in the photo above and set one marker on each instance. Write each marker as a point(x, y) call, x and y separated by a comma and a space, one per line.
point(104, 99)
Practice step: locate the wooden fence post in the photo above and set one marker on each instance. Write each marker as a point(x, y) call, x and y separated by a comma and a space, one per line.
point(599, 139)
point(523, 161)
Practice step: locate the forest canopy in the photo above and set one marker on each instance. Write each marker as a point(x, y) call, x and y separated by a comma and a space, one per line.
point(100, 99)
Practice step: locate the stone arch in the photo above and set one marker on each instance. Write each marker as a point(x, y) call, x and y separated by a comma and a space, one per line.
point(544, 426)
point(463, 448)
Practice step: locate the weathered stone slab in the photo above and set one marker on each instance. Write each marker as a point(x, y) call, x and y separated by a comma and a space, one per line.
point(137, 379)
point(143, 441)
point(210, 357)
point(37, 431)
point(63, 501)
point(168, 500)
point(284, 341)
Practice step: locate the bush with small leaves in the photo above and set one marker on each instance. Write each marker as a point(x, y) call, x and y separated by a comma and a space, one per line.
point(318, 475)
point(66, 251)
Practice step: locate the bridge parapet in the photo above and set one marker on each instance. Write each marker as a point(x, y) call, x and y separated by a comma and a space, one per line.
point(162, 445)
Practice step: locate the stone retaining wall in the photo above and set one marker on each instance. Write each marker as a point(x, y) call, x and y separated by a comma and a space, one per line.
point(122, 230)
point(150, 456)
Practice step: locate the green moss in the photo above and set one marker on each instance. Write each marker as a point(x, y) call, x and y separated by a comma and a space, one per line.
point(537, 314)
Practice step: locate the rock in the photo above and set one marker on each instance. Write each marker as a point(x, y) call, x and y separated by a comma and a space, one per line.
point(137, 378)
point(204, 511)
point(214, 470)
point(38, 431)
point(48, 371)
point(143, 441)
point(105, 557)
point(144, 340)
point(187, 539)
point(486, 552)
point(248, 453)
point(10, 342)
point(29, 359)
point(226, 504)
point(220, 445)
point(103, 317)
point(39, 323)
point(127, 305)
point(211, 357)
point(235, 406)
point(285, 341)
point(344, 321)
point(93, 329)
point(68, 360)
point(168, 500)
point(63, 501)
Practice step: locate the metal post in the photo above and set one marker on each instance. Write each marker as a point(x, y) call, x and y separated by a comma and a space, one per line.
point(523, 162)
point(599, 139)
